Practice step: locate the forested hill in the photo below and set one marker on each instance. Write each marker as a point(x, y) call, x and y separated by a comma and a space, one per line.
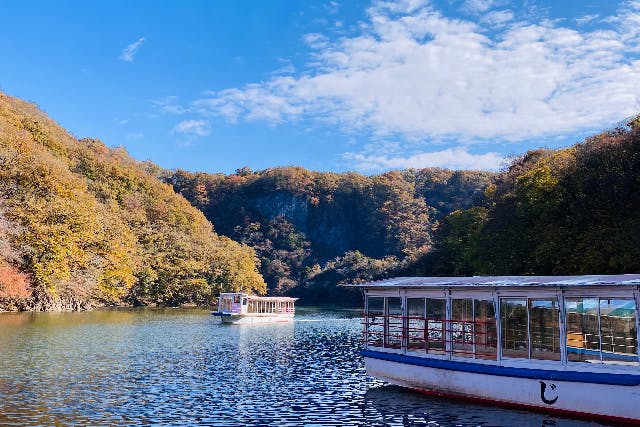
point(569, 211)
point(83, 224)
point(313, 231)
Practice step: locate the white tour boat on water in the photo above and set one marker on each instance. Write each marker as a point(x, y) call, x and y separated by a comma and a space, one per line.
point(565, 344)
point(239, 308)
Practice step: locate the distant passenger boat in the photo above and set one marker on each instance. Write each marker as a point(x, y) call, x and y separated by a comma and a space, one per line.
point(566, 344)
point(239, 308)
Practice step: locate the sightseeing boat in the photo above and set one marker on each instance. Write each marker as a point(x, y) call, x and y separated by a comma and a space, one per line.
point(564, 344)
point(239, 308)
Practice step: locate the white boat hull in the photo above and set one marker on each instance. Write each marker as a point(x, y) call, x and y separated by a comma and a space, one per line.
point(251, 319)
point(611, 401)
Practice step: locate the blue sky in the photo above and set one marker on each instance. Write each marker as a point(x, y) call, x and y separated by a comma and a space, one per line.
point(329, 85)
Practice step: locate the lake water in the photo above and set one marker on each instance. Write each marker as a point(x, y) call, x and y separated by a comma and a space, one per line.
point(182, 367)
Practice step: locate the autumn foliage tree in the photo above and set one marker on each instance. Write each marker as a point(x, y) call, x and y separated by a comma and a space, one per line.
point(92, 225)
point(567, 211)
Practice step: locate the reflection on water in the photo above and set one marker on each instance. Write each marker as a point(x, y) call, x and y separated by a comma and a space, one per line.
point(124, 367)
point(393, 405)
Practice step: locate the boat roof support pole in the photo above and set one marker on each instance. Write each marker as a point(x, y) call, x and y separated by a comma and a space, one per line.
point(527, 301)
point(599, 330)
point(448, 326)
point(366, 321)
point(405, 323)
point(496, 310)
point(636, 295)
point(562, 323)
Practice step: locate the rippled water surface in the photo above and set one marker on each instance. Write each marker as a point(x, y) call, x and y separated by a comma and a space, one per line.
point(182, 367)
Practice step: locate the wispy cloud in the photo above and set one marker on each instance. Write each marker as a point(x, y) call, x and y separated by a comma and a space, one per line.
point(192, 128)
point(498, 17)
point(586, 19)
point(451, 158)
point(478, 6)
point(128, 53)
point(420, 75)
point(169, 105)
point(332, 7)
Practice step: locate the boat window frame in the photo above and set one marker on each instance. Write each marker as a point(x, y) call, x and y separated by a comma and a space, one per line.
point(495, 293)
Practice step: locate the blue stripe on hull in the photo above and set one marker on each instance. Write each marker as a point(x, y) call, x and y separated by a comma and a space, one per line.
point(506, 371)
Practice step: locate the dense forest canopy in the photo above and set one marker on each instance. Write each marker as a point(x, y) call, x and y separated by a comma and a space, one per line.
point(568, 211)
point(84, 224)
point(313, 230)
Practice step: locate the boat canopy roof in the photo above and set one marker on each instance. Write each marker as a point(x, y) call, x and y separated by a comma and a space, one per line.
point(504, 281)
point(259, 298)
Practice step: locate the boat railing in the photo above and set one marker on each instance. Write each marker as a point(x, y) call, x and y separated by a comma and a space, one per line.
point(479, 339)
point(467, 338)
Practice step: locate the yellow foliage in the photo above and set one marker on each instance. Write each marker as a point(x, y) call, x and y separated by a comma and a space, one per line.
point(95, 223)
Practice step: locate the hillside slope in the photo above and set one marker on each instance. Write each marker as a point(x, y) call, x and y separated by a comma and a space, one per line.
point(83, 224)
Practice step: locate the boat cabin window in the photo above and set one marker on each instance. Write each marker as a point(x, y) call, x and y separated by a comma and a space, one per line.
point(426, 325)
point(544, 329)
point(394, 324)
point(225, 303)
point(416, 325)
point(462, 327)
point(601, 330)
point(530, 328)
point(485, 330)
point(513, 322)
point(436, 325)
point(375, 321)
point(598, 330)
point(245, 301)
point(236, 299)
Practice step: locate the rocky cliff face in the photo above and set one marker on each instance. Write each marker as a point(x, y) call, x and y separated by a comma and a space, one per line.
point(309, 227)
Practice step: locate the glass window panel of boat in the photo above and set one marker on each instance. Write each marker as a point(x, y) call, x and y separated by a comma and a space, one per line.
point(513, 320)
point(545, 329)
point(416, 322)
point(225, 303)
point(583, 339)
point(375, 321)
point(436, 325)
point(462, 327)
point(394, 322)
point(618, 330)
point(486, 335)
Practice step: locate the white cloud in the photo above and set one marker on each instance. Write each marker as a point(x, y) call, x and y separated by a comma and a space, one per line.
point(456, 158)
point(417, 74)
point(129, 52)
point(332, 7)
point(478, 6)
point(498, 17)
point(586, 19)
point(192, 128)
